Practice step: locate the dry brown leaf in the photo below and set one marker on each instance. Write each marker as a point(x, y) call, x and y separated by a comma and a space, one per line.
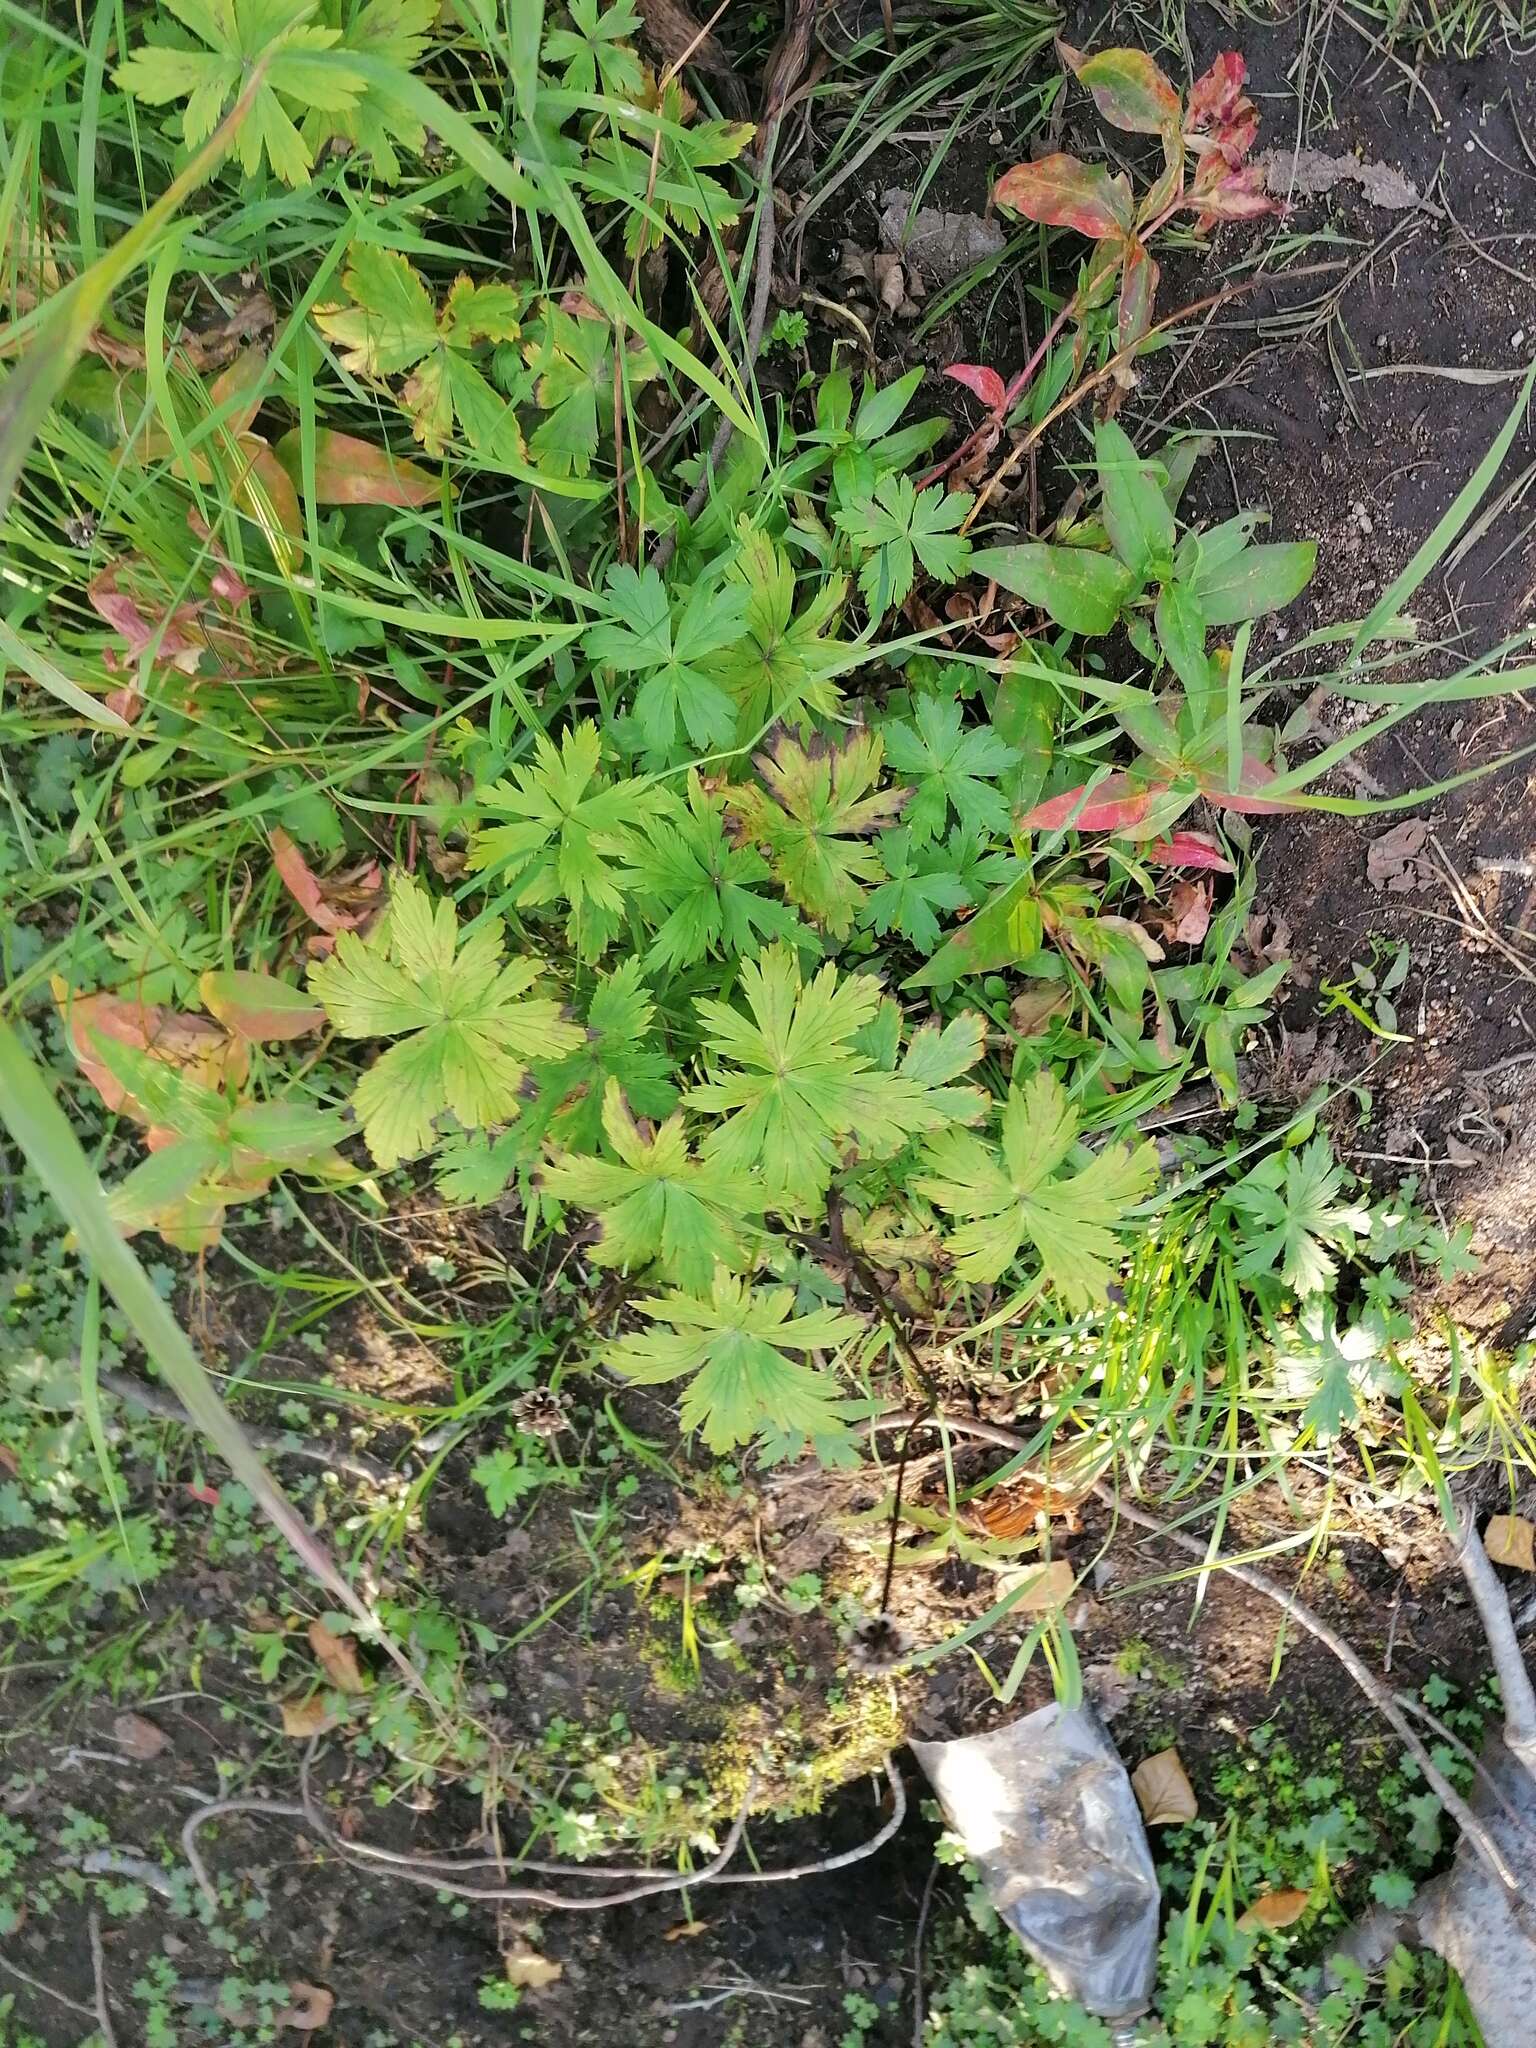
point(139, 1738)
point(530, 1971)
point(1276, 1909)
point(337, 1657)
point(1508, 1540)
point(311, 2006)
point(1044, 1586)
point(304, 1718)
point(685, 1930)
point(1163, 1791)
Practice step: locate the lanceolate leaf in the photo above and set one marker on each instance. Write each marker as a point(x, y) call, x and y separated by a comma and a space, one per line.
point(1138, 293)
point(1076, 587)
point(1063, 192)
point(1257, 580)
point(1005, 930)
point(353, 472)
point(1113, 805)
point(259, 1006)
point(1136, 516)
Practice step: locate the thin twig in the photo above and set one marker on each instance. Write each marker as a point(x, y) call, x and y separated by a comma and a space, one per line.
point(1374, 1688)
point(1489, 1598)
point(275, 1442)
point(99, 1973)
point(431, 1873)
point(918, 2000)
point(47, 1990)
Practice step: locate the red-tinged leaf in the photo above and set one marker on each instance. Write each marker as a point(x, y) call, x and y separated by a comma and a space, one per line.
point(1063, 192)
point(1187, 850)
point(258, 1006)
point(1128, 89)
point(987, 384)
point(1215, 94)
point(240, 387)
point(226, 583)
point(208, 1496)
point(266, 490)
point(1138, 290)
point(201, 1049)
point(318, 901)
point(1116, 804)
point(1245, 797)
point(353, 472)
point(1217, 192)
point(165, 639)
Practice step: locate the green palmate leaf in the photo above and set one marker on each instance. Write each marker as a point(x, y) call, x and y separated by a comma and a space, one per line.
point(467, 1028)
point(814, 818)
point(394, 326)
point(620, 1046)
point(896, 527)
point(922, 881)
point(237, 33)
point(1136, 515)
point(396, 31)
point(1079, 589)
point(1334, 1367)
point(1291, 1203)
point(672, 654)
point(664, 177)
point(794, 1088)
point(660, 1206)
point(735, 1348)
point(567, 830)
point(595, 50)
point(1252, 581)
point(573, 363)
point(699, 893)
point(781, 669)
point(1017, 1195)
point(951, 767)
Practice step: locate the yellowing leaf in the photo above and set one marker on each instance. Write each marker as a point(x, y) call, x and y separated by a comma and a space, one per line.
point(1018, 1194)
point(530, 1971)
point(1045, 1587)
point(814, 819)
point(467, 1030)
point(1163, 1792)
point(259, 1006)
point(304, 1718)
point(1508, 1540)
point(1276, 1909)
point(336, 1656)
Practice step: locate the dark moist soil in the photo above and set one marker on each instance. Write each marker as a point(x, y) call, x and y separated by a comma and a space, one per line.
point(770, 1967)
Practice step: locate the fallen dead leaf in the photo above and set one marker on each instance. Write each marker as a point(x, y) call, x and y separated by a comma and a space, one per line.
point(1389, 857)
point(337, 1657)
point(139, 1738)
point(310, 2007)
point(685, 1930)
point(530, 1971)
point(1034, 1007)
point(1163, 1791)
point(304, 1718)
point(1044, 1586)
point(1276, 1909)
point(1508, 1540)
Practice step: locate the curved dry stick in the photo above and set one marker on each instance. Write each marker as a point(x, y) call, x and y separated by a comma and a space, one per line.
point(1509, 1665)
point(431, 1872)
point(1374, 1688)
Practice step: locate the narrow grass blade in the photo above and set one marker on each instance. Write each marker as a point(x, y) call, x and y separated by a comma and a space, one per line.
point(66, 324)
point(1467, 499)
point(52, 1150)
point(50, 677)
